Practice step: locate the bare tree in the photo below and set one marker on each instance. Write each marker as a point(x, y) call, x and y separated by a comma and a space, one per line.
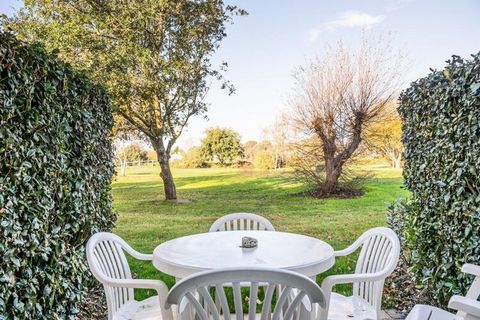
point(279, 134)
point(341, 93)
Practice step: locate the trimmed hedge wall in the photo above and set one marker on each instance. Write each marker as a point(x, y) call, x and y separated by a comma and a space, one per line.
point(440, 225)
point(55, 176)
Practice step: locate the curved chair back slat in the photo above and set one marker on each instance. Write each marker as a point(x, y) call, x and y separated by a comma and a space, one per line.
point(107, 259)
point(241, 221)
point(379, 253)
point(196, 294)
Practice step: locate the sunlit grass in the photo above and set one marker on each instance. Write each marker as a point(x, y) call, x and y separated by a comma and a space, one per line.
point(146, 220)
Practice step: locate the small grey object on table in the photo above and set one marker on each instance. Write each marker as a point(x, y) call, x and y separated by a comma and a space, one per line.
point(249, 242)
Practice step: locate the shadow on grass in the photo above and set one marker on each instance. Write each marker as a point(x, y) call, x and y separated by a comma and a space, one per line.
point(218, 184)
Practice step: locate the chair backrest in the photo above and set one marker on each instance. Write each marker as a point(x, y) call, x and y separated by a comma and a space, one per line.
point(241, 221)
point(106, 258)
point(194, 295)
point(379, 254)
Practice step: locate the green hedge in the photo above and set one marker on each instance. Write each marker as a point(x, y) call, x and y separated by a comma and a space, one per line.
point(55, 175)
point(440, 226)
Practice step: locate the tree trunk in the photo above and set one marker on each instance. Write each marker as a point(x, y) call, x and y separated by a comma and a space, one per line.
point(332, 173)
point(124, 167)
point(395, 158)
point(397, 162)
point(167, 177)
point(276, 158)
point(165, 172)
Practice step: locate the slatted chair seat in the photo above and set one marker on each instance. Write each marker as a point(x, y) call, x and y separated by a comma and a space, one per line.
point(148, 309)
point(351, 308)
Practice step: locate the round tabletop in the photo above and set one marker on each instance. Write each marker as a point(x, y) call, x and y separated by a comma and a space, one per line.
point(184, 256)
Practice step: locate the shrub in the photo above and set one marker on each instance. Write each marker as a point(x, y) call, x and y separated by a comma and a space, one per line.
point(264, 160)
point(441, 134)
point(55, 174)
point(194, 158)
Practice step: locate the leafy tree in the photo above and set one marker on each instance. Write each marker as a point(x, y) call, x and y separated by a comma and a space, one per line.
point(338, 96)
point(385, 137)
point(221, 144)
point(154, 57)
point(134, 152)
point(264, 155)
point(152, 155)
point(249, 150)
point(194, 158)
point(130, 153)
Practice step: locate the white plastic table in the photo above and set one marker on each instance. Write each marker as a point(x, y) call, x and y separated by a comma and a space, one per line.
point(184, 256)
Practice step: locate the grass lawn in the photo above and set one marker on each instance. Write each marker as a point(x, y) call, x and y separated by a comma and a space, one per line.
point(145, 219)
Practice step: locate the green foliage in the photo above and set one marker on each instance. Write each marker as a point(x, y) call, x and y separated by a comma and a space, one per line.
point(441, 118)
point(222, 145)
point(133, 152)
point(55, 174)
point(264, 160)
point(153, 57)
point(263, 156)
point(249, 149)
point(384, 137)
point(193, 158)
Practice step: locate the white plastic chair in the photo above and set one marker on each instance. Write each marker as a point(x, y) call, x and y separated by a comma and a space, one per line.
point(108, 263)
point(241, 221)
point(194, 298)
point(377, 260)
point(468, 307)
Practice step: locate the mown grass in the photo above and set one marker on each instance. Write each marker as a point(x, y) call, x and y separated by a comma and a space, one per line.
point(146, 220)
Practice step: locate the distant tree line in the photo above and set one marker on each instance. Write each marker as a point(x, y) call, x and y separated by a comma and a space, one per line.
point(279, 148)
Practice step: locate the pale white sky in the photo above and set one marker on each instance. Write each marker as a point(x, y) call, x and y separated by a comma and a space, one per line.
point(264, 48)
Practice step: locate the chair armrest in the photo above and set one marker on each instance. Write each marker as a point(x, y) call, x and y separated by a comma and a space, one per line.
point(464, 304)
point(157, 285)
point(142, 256)
point(137, 255)
point(329, 282)
point(136, 284)
point(471, 269)
point(345, 252)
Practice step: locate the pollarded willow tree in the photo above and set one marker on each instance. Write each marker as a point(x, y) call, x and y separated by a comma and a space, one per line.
point(154, 57)
point(337, 96)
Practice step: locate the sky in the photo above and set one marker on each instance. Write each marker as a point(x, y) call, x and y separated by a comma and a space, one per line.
point(264, 48)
